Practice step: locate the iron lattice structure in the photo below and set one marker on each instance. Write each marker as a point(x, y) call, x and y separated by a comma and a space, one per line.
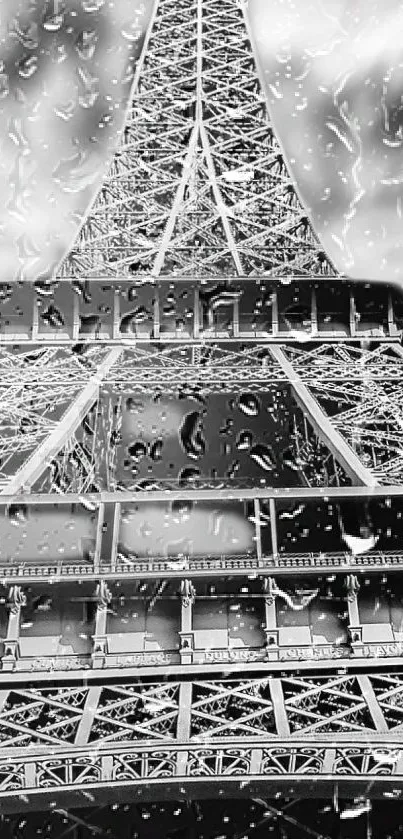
point(195, 274)
point(61, 412)
point(212, 192)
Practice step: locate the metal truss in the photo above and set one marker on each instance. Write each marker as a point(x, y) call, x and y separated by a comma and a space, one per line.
point(70, 434)
point(199, 181)
point(238, 734)
point(197, 189)
point(198, 185)
point(368, 414)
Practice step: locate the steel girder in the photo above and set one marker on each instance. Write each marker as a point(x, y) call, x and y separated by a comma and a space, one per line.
point(182, 187)
point(237, 733)
point(368, 414)
point(180, 199)
point(64, 430)
point(273, 517)
point(351, 396)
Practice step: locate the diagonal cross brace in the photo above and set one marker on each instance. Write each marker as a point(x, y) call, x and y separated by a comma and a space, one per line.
point(38, 462)
point(325, 430)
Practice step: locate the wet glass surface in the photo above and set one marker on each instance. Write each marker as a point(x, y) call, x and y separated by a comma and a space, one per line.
point(332, 75)
point(66, 73)
point(185, 529)
point(223, 437)
point(195, 403)
point(45, 533)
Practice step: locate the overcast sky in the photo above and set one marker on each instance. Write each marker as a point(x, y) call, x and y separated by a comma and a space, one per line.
point(64, 87)
point(333, 72)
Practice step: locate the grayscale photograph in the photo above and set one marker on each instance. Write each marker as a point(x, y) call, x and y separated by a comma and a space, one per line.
point(201, 419)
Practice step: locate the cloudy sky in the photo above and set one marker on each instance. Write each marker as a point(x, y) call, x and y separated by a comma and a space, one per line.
point(66, 69)
point(333, 73)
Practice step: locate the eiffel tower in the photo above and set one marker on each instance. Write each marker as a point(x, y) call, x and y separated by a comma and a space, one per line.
point(201, 480)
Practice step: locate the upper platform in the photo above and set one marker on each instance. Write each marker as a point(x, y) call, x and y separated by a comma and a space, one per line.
point(189, 310)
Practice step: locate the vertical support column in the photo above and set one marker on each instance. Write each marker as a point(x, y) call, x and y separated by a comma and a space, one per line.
point(100, 639)
point(273, 529)
point(116, 314)
point(88, 715)
point(373, 705)
point(271, 629)
point(188, 595)
point(76, 316)
point(314, 313)
point(183, 730)
point(115, 535)
point(196, 313)
point(258, 529)
point(235, 319)
point(16, 600)
point(274, 314)
point(353, 330)
point(391, 316)
point(354, 625)
point(98, 538)
point(35, 316)
point(279, 710)
point(156, 326)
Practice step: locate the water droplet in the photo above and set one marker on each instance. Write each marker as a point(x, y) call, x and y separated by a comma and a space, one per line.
point(135, 406)
point(86, 43)
point(233, 469)
point(53, 316)
point(74, 174)
point(156, 450)
point(141, 314)
point(137, 450)
point(169, 310)
point(182, 509)
point(191, 436)
point(226, 429)
point(263, 456)
point(58, 52)
point(188, 475)
point(92, 5)
point(28, 66)
point(249, 404)
point(4, 85)
point(53, 23)
point(6, 291)
point(89, 324)
point(244, 440)
point(128, 322)
point(131, 30)
point(65, 111)
point(17, 514)
point(27, 35)
point(91, 88)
